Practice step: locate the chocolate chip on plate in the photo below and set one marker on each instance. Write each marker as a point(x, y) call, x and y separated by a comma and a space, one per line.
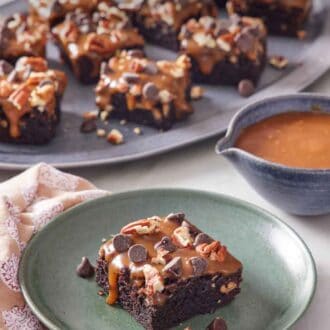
point(166, 244)
point(121, 243)
point(202, 238)
point(176, 217)
point(217, 324)
point(88, 126)
point(137, 253)
point(174, 267)
point(198, 265)
point(246, 88)
point(85, 268)
point(150, 92)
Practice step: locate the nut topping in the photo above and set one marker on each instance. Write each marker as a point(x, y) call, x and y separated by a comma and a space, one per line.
point(141, 227)
point(182, 237)
point(153, 281)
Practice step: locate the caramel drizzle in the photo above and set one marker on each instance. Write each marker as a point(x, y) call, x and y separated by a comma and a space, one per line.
point(117, 261)
point(110, 85)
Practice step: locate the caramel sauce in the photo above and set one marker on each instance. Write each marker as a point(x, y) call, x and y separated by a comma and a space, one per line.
point(118, 261)
point(295, 139)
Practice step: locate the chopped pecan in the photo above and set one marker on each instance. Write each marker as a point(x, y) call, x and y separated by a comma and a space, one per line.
point(162, 257)
point(98, 44)
point(226, 288)
point(5, 89)
point(141, 227)
point(20, 97)
point(153, 281)
point(182, 237)
point(215, 251)
point(37, 64)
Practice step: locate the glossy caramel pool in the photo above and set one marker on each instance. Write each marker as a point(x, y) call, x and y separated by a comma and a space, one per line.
point(295, 139)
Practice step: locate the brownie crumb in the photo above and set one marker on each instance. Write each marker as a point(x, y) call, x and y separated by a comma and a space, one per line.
point(88, 126)
point(246, 88)
point(278, 62)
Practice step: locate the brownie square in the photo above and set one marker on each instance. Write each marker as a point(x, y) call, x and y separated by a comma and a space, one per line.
point(160, 21)
point(22, 35)
point(30, 95)
point(138, 89)
point(225, 51)
point(281, 17)
point(164, 271)
point(87, 39)
point(54, 11)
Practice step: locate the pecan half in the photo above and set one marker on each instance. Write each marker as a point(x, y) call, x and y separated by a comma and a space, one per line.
point(141, 227)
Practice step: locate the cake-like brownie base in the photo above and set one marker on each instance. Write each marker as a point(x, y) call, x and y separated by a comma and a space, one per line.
point(140, 116)
point(287, 22)
point(226, 73)
point(36, 128)
point(198, 295)
point(85, 69)
point(160, 34)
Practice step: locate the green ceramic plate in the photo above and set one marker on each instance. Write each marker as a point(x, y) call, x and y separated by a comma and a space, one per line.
point(279, 271)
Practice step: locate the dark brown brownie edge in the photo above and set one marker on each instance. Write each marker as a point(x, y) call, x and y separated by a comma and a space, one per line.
point(227, 73)
point(36, 127)
point(278, 22)
point(197, 295)
point(85, 66)
point(141, 116)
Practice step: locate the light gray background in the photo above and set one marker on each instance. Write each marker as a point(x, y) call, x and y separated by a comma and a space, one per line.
point(198, 167)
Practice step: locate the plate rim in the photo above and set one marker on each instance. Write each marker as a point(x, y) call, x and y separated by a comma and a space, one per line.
point(314, 68)
point(23, 282)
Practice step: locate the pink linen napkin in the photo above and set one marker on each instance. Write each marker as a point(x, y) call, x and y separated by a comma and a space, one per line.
point(28, 202)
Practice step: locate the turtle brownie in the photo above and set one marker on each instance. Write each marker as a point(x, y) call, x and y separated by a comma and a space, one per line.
point(22, 35)
point(54, 11)
point(30, 95)
point(138, 89)
point(87, 39)
point(160, 21)
point(225, 51)
point(165, 270)
point(282, 17)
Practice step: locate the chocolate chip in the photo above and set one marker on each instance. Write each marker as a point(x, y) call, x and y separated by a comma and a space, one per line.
point(85, 269)
point(131, 78)
point(151, 68)
point(176, 217)
point(244, 40)
point(137, 253)
point(45, 82)
point(217, 324)
point(150, 92)
point(174, 267)
point(166, 244)
point(246, 88)
point(121, 243)
point(5, 68)
point(138, 53)
point(193, 230)
point(202, 238)
point(88, 126)
point(198, 265)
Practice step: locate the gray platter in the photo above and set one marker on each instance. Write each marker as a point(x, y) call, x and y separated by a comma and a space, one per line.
point(308, 61)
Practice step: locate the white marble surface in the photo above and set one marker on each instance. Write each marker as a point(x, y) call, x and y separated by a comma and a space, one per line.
point(198, 167)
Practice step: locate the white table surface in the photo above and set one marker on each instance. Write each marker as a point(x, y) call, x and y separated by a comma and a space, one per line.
point(198, 167)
